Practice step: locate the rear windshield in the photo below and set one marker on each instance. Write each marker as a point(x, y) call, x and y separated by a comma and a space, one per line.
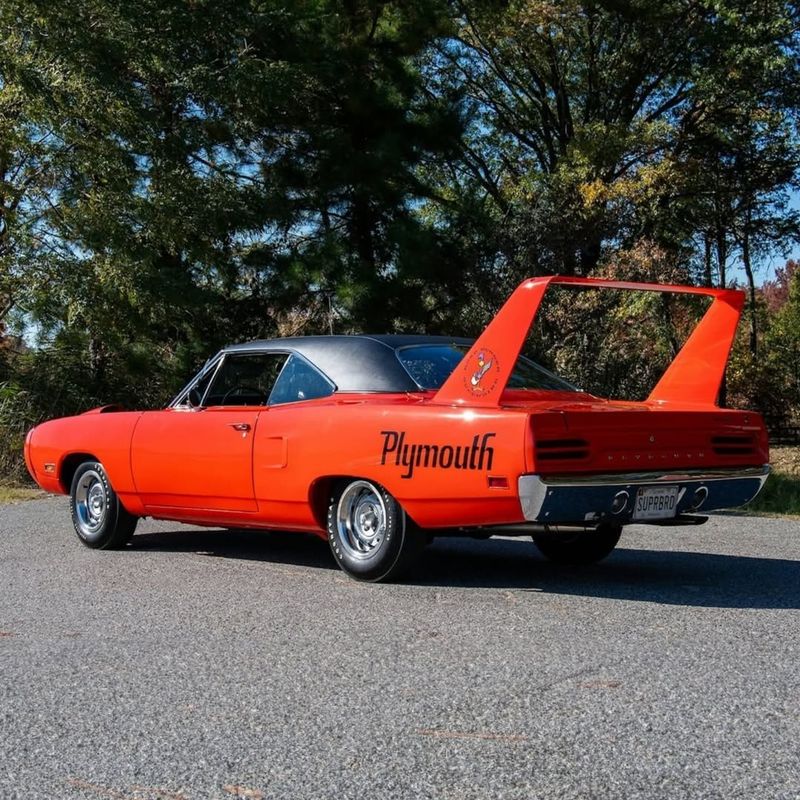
point(430, 365)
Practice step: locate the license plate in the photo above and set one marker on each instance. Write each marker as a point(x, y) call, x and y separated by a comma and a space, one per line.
point(656, 502)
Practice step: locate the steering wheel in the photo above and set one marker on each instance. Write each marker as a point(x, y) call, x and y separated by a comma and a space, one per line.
point(241, 389)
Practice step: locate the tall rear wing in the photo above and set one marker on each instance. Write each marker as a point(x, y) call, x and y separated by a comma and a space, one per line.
point(694, 376)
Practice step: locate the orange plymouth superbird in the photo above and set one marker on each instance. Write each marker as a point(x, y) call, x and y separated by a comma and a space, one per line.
point(378, 443)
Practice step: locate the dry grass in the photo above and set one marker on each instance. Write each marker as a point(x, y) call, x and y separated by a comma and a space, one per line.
point(16, 494)
point(786, 460)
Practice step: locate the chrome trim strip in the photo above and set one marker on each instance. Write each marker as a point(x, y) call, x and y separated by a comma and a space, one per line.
point(220, 362)
point(634, 478)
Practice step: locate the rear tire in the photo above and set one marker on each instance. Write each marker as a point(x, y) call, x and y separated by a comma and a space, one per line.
point(100, 520)
point(578, 548)
point(371, 537)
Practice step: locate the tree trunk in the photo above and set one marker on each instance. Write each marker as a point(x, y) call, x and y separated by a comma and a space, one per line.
point(590, 255)
point(96, 361)
point(722, 255)
point(708, 279)
point(363, 226)
point(751, 287)
point(669, 327)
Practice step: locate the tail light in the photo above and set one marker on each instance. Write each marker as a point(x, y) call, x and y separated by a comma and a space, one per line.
point(561, 449)
point(733, 445)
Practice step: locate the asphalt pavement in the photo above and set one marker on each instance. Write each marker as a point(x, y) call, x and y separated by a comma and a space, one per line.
point(204, 664)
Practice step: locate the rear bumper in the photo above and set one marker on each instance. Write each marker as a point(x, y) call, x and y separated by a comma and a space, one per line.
point(590, 499)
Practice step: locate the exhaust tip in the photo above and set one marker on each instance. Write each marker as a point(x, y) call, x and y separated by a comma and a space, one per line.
point(620, 502)
point(700, 496)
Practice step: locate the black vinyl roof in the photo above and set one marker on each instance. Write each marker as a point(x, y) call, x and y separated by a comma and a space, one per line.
point(363, 363)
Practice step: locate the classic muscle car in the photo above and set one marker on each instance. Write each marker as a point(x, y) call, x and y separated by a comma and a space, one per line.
point(379, 442)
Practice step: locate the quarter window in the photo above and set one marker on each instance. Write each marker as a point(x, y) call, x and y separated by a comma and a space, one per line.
point(299, 381)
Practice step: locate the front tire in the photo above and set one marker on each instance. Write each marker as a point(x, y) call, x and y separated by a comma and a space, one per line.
point(578, 548)
point(100, 520)
point(371, 537)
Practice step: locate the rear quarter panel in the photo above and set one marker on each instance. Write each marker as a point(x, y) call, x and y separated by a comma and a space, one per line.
point(435, 460)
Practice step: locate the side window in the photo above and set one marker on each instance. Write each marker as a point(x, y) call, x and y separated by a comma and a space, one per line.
point(245, 380)
point(299, 381)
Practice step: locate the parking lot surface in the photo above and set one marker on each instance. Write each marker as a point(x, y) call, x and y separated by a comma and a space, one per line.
point(204, 664)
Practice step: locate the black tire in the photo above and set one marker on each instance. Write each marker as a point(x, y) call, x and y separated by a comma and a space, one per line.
point(100, 520)
point(371, 537)
point(578, 548)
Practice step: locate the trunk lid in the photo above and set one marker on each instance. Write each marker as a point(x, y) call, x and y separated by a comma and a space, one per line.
point(602, 436)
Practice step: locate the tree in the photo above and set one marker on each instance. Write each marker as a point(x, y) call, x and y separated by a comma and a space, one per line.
point(741, 158)
point(784, 344)
point(221, 171)
point(776, 291)
point(770, 381)
point(584, 113)
point(358, 127)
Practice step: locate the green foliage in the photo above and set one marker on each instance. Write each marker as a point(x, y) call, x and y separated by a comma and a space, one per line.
point(770, 381)
point(599, 125)
point(780, 495)
point(616, 344)
point(17, 416)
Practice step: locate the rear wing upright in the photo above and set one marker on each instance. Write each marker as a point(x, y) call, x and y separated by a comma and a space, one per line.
point(694, 376)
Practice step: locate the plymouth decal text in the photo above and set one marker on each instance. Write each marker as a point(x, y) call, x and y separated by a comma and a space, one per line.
point(478, 455)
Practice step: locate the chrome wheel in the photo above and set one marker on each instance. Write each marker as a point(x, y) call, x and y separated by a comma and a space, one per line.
point(361, 519)
point(100, 519)
point(369, 534)
point(91, 503)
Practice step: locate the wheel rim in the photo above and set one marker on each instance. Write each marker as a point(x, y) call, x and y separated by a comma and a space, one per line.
point(91, 503)
point(361, 519)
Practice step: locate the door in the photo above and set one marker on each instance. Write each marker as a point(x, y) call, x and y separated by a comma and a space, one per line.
point(201, 457)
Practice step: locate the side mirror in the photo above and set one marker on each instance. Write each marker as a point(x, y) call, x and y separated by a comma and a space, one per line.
point(194, 398)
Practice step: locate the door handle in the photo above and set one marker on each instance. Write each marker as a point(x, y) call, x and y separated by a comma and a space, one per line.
point(243, 427)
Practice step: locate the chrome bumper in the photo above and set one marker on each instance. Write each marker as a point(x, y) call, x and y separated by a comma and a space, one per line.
point(591, 498)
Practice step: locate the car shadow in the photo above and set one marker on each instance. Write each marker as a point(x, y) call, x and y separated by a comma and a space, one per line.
point(683, 578)
point(276, 547)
